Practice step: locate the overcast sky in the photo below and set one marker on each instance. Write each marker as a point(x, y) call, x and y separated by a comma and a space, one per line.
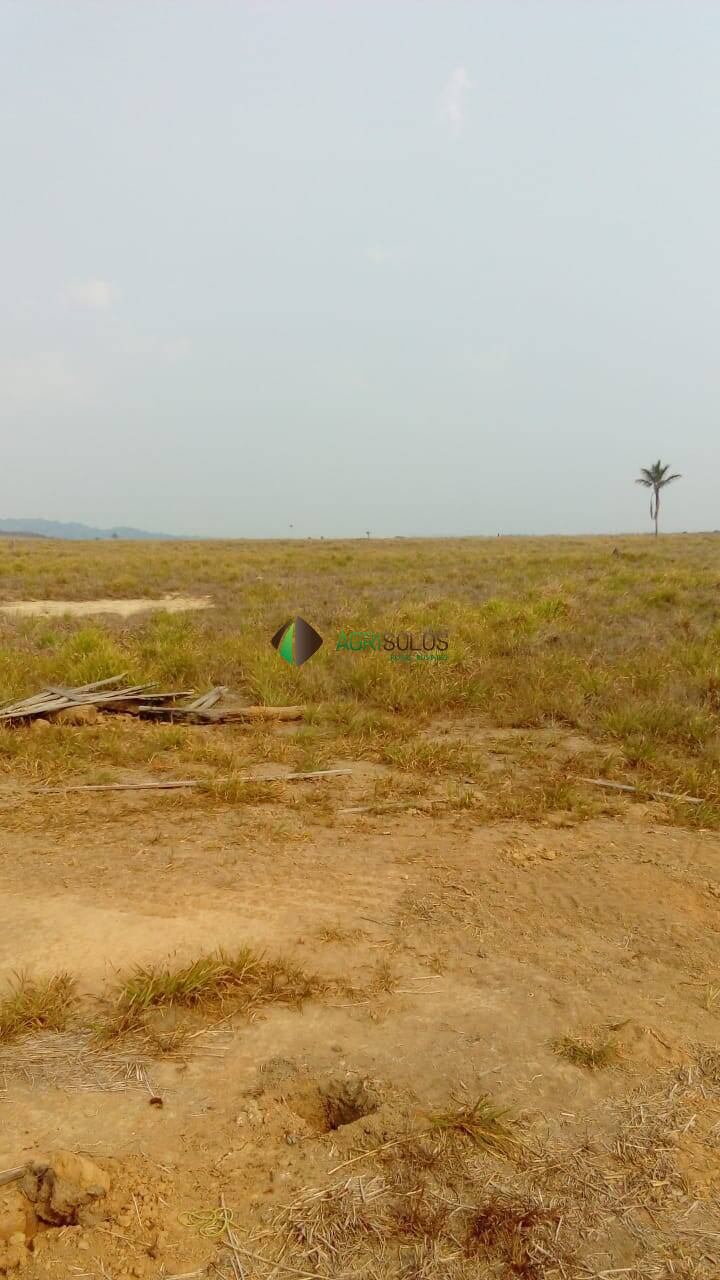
point(413, 266)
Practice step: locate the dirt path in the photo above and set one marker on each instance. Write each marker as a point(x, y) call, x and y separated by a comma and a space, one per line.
point(86, 608)
point(479, 945)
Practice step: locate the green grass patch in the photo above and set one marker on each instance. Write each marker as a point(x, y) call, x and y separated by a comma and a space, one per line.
point(37, 1004)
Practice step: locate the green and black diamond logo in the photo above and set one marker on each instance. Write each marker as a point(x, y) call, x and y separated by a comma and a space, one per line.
point(296, 641)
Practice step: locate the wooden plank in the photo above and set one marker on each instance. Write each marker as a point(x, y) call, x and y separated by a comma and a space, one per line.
point(38, 699)
point(21, 712)
point(53, 690)
point(222, 715)
point(206, 700)
point(172, 785)
point(103, 699)
point(135, 702)
point(24, 702)
point(98, 684)
point(57, 702)
point(49, 701)
point(255, 713)
point(57, 698)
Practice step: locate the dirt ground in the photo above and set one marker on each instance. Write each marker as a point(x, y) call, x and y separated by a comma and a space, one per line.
point(89, 608)
point(472, 949)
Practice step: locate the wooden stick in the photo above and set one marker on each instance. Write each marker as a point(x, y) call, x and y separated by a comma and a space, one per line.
point(12, 1175)
point(261, 713)
point(221, 715)
point(88, 688)
point(99, 684)
point(185, 782)
point(140, 697)
point(646, 791)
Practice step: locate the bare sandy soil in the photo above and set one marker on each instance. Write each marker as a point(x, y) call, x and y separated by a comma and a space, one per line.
point(121, 608)
point(475, 948)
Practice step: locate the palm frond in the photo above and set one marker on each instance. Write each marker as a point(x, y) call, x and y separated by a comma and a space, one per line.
point(656, 474)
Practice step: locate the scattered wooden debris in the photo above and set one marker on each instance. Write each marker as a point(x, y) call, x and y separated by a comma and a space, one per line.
point(641, 791)
point(171, 785)
point(207, 713)
point(56, 698)
point(142, 700)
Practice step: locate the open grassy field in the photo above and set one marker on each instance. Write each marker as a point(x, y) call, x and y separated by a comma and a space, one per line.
point(452, 1013)
point(551, 633)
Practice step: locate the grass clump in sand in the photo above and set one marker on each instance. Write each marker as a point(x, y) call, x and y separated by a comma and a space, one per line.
point(480, 1123)
point(583, 1053)
point(36, 1004)
point(238, 982)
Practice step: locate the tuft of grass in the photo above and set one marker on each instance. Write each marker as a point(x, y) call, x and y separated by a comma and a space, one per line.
point(206, 979)
point(582, 1053)
point(384, 980)
point(480, 1123)
point(339, 934)
point(242, 791)
point(708, 1061)
point(711, 995)
point(40, 1004)
point(237, 983)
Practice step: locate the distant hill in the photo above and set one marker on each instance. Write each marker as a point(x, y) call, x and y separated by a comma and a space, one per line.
point(17, 533)
point(78, 532)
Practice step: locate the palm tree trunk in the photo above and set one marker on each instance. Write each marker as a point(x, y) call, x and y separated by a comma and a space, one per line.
point(657, 508)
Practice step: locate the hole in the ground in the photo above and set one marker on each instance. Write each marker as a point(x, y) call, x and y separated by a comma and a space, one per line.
point(348, 1100)
point(331, 1104)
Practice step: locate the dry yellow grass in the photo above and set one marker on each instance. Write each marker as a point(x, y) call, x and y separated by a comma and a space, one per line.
point(543, 633)
point(582, 1053)
point(36, 1004)
point(235, 983)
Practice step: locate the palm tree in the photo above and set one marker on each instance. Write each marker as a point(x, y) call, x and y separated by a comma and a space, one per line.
point(654, 478)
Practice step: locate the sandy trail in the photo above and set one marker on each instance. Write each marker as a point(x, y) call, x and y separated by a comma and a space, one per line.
point(477, 946)
point(83, 608)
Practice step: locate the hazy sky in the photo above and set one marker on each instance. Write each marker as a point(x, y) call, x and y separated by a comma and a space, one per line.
point(413, 266)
